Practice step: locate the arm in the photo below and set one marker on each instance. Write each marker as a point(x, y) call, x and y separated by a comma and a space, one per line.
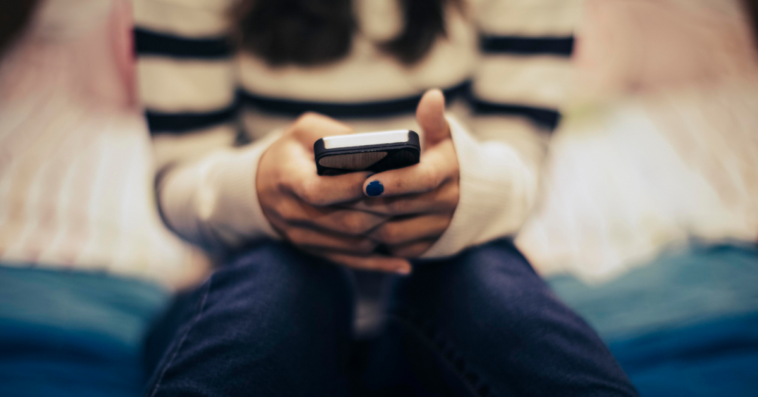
point(520, 82)
point(187, 86)
point(222, 197)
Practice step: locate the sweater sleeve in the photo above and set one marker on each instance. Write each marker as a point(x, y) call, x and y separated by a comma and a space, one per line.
point(518, 88)
point(187, 86)
point(214, 203)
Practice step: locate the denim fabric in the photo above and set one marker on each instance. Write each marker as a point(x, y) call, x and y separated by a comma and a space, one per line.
point(277, 322)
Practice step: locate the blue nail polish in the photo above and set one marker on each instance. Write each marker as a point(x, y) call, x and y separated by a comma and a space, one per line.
point(375, 188)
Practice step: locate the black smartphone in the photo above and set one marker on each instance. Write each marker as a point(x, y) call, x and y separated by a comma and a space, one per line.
point(371, 151)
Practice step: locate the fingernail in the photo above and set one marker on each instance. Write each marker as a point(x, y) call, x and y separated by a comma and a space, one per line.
point(405, 270)
point(370, 175)
point(375, 188)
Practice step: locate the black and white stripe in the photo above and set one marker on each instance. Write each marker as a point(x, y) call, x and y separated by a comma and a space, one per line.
point(526, 46)
point(152, 43)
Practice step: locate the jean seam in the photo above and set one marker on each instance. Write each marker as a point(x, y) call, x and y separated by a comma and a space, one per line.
point(194, 321)
point(416, 330)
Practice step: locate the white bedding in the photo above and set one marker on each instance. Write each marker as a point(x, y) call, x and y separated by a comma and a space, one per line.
point(668, 149)
point(626, 180)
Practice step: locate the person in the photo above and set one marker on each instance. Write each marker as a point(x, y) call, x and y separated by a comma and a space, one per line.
point(236, 93)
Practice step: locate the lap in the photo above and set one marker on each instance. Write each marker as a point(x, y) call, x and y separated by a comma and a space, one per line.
point(487, 318)
point(481, 323)
point(273, 318)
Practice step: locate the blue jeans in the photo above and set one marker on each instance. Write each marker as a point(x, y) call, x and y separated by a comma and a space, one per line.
point(277, 322)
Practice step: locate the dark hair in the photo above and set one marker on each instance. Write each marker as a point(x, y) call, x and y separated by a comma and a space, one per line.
point(14, 15)
point(751, 7)
point(312, 32)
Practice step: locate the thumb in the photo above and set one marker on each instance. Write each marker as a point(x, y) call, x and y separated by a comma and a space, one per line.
point(430, 115)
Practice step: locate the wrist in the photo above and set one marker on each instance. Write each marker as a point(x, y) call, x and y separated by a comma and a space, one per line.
point(496, 191)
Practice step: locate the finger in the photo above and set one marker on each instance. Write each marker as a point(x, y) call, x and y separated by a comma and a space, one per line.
point(319, 240)
point(310, 127)
point(299, 177)
point(321, 191)
point(430, 115)
point(337, 220)
point(412, 250)
point(436, 167)
point(373, 263)
point(442, 199)
point(408, 230)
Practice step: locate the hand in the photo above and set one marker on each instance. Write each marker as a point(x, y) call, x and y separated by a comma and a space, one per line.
point(299, 204)
point(420, 199)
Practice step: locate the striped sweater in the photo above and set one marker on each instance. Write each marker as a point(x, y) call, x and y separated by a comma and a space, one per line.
point(504, 67)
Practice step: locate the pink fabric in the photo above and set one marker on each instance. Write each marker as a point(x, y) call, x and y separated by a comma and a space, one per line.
point(628, 46)
point(76, 166)
point(660, 146)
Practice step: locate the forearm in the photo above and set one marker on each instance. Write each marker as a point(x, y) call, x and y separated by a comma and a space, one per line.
point(522, 81)
point(498, 186)
point(213, 202)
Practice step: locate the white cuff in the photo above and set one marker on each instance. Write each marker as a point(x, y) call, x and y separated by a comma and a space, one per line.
point(214, 203)
point(497, 190)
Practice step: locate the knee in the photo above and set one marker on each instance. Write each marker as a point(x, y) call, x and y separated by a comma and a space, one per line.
point(497, 264)
point(493, 275)
point(281, 276)
point(274, 290)
point(271, 309)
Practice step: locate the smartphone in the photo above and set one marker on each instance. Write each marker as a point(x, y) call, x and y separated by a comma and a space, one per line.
point(371, 151)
